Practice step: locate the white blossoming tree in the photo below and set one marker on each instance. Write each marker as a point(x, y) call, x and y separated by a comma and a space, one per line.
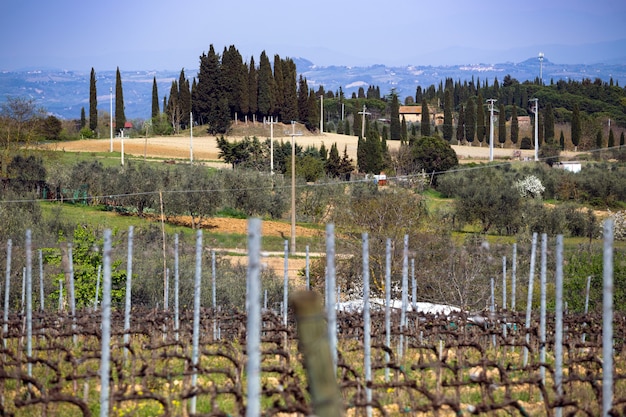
point(619, 224)
point(530, 186)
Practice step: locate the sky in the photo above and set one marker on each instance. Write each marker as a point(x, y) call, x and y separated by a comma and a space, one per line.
point(159, 35)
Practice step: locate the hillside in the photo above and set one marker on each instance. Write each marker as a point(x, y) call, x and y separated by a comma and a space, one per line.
point(64, 92)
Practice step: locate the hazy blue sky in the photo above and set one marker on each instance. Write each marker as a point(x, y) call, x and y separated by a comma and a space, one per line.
point(149, 34)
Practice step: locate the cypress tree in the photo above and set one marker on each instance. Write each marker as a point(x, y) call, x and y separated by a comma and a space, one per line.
point(155, 99)
point(514, 125)
point(394, 126)
point(93, 102)
point(404, 136)
point(303, 99)
point(173, 111)
point(502, 125)
point(481, 128)
point(290, 88)
point(120, 117)
point(184, 97)
point(313, 114)
point(334, 162)
point(576, 127)
point(548, 123)
point(447, 115)
point(562, 141)
point(253, 88)
point(83, 119)
point(425, 122)
point(470, 121)
point(279, 81)
point(266, 98)
point(599, 139)
point(621, 139)
point(460, 126)
point(611, 142)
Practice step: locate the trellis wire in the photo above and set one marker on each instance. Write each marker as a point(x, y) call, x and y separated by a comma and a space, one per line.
point(253, 329)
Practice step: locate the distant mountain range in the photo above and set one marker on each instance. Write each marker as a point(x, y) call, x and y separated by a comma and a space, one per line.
point(63, 93)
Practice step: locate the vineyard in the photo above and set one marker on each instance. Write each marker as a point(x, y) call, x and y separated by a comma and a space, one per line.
point(388, 357)
point(446, 366)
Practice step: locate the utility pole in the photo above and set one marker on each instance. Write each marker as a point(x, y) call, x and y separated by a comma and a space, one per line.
point(293, 186)
point(271, 122)
point(535, 110)
point(363, 113)
point(491, 101)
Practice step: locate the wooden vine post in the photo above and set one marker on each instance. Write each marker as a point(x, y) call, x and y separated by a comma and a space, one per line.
point(315, 349)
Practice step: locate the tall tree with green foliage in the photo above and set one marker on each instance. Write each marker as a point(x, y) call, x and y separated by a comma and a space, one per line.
point(599, 139)
point(279, 81)
point(576, 126)
point(502, 125)
point(447, 115)
point(120, 116)
point(460, 126)
point(313, 114)
point(395, 129)
point(83, 118)
point(562, 141)
point(210, 100)
point(425, 122)
point(267, 87)
point(93, 102)
point(621, 139)
point(290, 88)
point(481, 126)
point(514, 125)
point(253, 88)
point(404, 135)
point(155, 99)
point(303, 99)
point(234, 80)
point(611, 141)
point(470, 121)
point(184, 98)
point(548, 122)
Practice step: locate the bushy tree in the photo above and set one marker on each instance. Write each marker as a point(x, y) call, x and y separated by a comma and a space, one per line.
point(433, 155)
